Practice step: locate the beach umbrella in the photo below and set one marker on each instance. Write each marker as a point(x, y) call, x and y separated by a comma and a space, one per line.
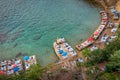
point(60, 51)
point(2, 72)
point(105, 19)
point(26, 58)
point(80, 60)
point(15, 69)
point(64, 54)
point(96, 33)
point(90, 39)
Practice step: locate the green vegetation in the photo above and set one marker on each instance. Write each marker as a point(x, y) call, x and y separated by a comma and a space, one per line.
point(109, 57)
point(114, 64)
point(35, 73)
point(3, 77)
point(86, 52)
point(108, 76)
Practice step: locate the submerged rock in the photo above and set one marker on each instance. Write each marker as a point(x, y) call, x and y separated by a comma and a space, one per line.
point(3, 37)
point(37, 37)
point(20, 54)
point(15, 45)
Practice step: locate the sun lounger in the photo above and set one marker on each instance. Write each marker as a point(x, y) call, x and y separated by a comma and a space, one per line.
point(80, 60)
point(110, 24)
point(4, 62)
point(27, 66)
point(70, 49)
point(3, 68)
point(73, 53)
point(93, 48)
point(114, 30)
point(104, 38)
point(111, 38)
point(64, 57)
point(9, 66)
point(116, 24)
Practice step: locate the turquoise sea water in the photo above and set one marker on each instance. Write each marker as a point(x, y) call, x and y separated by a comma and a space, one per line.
point(31, 26)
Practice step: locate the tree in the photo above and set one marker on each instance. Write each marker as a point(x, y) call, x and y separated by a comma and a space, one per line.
point(36, 72)
point(3, 77)
point(114, 63)
point(119, 25)
point(113, 46)
point(96, 57)
point(118, 33)
point(86, 52)
point(108, 76)
point(21, 76)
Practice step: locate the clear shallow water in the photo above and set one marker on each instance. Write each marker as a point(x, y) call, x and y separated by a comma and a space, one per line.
point(31, 26)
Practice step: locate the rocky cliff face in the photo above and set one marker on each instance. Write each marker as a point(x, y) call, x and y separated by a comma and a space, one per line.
point(110, 2)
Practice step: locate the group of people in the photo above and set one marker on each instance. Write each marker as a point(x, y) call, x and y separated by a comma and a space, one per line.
point(11, 66)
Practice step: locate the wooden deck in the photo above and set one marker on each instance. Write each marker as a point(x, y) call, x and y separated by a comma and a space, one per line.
point(70, 53)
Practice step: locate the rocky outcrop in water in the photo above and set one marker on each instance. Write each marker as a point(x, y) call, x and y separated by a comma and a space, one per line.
point(3, 37)
point(20, 54)
point(37, 37)
point(15, 45)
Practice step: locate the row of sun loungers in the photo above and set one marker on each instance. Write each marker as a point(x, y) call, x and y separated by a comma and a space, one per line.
point(85, 44)
point(96, 34)
point(102, 26)
point(107, 38)
point(98, 31)
point(63, 49)
point(12, 66)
